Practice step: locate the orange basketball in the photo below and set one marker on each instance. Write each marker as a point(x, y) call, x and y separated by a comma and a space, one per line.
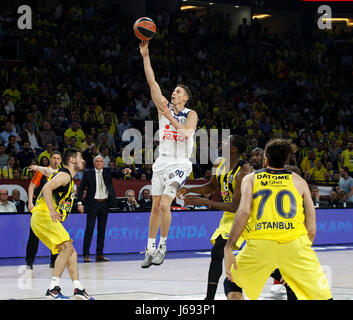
point(145, 28)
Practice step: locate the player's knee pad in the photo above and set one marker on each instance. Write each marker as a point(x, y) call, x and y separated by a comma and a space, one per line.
point(171, 190)
point(230, 287)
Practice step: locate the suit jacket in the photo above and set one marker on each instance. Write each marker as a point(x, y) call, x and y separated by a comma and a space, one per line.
point(89, 181)
point(20, 205)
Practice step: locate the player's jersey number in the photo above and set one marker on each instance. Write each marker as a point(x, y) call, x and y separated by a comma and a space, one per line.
point(266, 193)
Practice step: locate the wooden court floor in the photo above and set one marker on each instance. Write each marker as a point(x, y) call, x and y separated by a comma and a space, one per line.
point(180, 277)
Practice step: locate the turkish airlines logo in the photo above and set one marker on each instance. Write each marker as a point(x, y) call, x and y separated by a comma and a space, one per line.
point(172, 135)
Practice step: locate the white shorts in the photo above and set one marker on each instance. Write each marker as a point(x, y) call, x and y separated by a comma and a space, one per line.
point(171, 173)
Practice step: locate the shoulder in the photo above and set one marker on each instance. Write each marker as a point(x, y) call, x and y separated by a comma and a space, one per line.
point(245, 169)
point(218, 162)
point(191, 113)
point(249, 179)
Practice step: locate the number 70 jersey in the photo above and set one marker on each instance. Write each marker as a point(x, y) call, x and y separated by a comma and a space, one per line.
point(277, 211)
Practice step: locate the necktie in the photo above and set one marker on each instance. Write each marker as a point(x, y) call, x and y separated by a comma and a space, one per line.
point(100, 185)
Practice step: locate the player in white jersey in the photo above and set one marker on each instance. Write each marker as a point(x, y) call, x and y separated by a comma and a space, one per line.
point(177, 126)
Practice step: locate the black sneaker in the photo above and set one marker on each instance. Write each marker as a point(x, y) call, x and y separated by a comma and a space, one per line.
point(56, 294)
point(81, 295)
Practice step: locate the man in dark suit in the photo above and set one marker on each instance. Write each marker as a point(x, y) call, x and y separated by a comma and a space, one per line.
point(145, 202)
point(20, 204)
point(100, 196)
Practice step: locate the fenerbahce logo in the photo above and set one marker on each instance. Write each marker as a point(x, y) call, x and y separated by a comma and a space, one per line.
point(172, 135)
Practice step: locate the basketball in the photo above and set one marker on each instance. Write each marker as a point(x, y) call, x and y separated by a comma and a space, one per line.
point(145, 28)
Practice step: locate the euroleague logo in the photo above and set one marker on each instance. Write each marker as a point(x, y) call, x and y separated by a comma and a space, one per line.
point(172, 135)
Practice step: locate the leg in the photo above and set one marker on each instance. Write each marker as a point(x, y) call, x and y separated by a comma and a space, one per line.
point(154, 223)
point(155, 217)
point(302, 271)
point(166, 215)
point(215, 269)
point(66, 249)
point(72, 268)
point(32, 248)
point(90, 222)
point(232, 291)
point(102, 223)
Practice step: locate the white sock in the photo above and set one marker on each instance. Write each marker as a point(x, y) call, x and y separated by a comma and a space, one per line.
point(151, 244)
point(77, 284)
point(55, 281)
point(162, 241)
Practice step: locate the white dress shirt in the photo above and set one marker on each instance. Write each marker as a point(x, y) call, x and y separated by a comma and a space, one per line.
point(10, 207)
point(101, 189)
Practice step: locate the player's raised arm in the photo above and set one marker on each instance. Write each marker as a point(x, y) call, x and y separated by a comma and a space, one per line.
point(156, 93)
point(46, 171)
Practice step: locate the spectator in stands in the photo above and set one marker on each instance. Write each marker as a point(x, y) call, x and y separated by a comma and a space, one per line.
point(308, 162)
point(20, 204)
point(125, 124)
point(47, 135)
point(347, 156)
point(346, 184)
point(341, 199)
point(31, 136)
point(318, 172)
point(74, 131)
point(7, 171)
point(47, 152)
point(8, 131)
point(145, 202)
point(315, 195)
point(131, 204)
point(110, 142)
point(13, 93)
point(5, 204)
point(333, 201)
point(26, 155)
point(9, 107)
point(89, 154)
point(104, 152)
point(12, 147)
point(4, 158)
point(17, 174)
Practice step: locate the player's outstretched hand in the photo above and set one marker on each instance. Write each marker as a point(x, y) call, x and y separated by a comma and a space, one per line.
point(180, 193)
point(80, 208)
point(144, 48)
point(165, 110)
point(33, 167)
point(194, 200)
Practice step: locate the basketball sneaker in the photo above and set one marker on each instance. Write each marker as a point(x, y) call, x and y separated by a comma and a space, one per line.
point(81, 295)
point(56, 294)
point(159, 256)
point(147, 262)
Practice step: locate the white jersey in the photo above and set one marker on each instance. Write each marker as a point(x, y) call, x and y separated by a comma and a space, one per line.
point(174, 147)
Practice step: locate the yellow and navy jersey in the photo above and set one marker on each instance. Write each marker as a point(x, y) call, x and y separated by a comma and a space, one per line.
point(226, 179)
point(63, 196)
point(277, 211)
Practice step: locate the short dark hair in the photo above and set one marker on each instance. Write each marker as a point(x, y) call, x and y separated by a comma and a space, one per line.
point(186, 88)
point(71, 152)
point(56, 152)
point(239, 142)
point(277, 152)
point(345, 169)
